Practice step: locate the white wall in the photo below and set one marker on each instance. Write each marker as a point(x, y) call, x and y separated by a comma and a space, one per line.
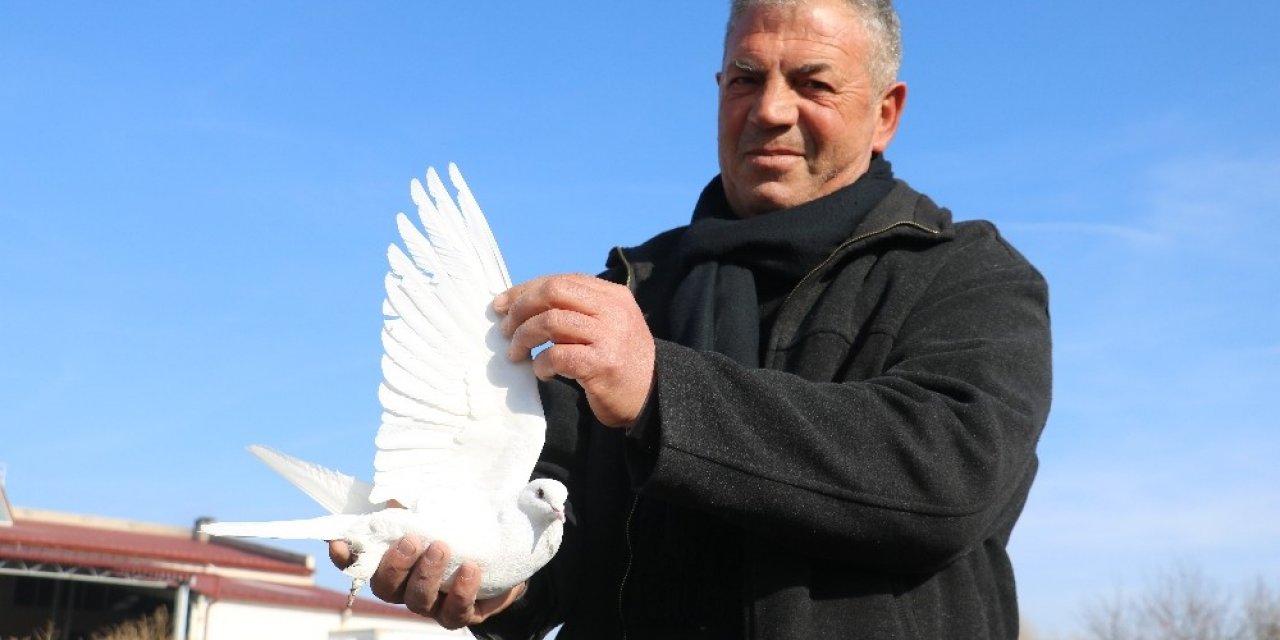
point(242, 621)
point(384, 634)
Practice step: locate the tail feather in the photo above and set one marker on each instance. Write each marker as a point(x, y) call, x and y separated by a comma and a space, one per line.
point(332, 527)
point(335, 491)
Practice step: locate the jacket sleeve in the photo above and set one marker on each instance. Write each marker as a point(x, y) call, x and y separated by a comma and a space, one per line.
point(906, 469)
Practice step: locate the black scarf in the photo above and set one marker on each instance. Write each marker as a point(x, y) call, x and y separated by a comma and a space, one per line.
point(737, 270)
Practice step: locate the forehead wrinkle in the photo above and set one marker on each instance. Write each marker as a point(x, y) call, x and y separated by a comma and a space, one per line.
point(792, 52)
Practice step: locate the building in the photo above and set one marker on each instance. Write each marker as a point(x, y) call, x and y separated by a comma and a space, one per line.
point(82, 573)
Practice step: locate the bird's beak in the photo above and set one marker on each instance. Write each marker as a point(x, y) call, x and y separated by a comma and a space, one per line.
point(559, 514)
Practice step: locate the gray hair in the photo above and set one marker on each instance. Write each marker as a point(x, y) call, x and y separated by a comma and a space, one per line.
point(878, 18)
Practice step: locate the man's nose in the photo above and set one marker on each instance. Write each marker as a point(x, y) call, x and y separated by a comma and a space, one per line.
point(775, 105)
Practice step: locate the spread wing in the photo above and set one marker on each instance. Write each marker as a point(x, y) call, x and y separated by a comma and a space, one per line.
point(460, 422)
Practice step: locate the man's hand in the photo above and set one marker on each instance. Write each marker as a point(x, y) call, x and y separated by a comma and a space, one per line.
point(412, 575)
point(598, 337)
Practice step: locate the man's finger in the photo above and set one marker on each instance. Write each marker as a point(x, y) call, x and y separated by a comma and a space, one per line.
point(556, 326)
point(572, 361)
point(340, 554)
point(388, 581)
point(489, 606)
point(502, 302)
point(505, 301)
point(423, 590)
point(458, 609)
point(573, 292)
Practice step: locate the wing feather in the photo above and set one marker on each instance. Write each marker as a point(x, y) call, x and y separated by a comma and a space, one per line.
point(407, 359)
point(394, 435)
point(495, 267)
point(443, 227)
point(416, 295)
point(419, 248)
point(431, 417)
point(400, 381)
point(427, 336)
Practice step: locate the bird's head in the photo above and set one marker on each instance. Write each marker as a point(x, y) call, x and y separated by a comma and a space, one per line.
point(544, 498)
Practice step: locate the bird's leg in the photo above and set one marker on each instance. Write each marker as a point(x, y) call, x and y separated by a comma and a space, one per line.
point(362, 569)
point(351, 597)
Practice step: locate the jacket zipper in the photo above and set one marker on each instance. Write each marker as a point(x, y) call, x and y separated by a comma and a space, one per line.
point(626, 572)
point(626, 264)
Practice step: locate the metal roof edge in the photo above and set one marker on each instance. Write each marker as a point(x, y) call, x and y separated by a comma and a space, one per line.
point(100, 522)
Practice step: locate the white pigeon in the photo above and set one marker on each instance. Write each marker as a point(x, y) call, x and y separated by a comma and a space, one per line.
point(462, 426)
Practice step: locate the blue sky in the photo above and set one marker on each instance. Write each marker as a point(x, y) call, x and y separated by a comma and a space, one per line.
point(195, 200)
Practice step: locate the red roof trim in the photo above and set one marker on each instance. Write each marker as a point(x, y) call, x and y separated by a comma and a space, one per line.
point(113, 548)
point(174, 559)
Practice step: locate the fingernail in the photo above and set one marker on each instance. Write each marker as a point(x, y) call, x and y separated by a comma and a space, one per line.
point(434, 555)
point(406, 548)
point(500, 302)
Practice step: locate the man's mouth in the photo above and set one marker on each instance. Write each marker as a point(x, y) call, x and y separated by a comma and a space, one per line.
point(774, 151)
point(773, 158)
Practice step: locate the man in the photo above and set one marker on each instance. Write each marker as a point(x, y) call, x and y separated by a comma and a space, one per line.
point(811, 413)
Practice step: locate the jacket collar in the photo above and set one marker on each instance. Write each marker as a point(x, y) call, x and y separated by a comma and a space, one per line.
point(904, 212)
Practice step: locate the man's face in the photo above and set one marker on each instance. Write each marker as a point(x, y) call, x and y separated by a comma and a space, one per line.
point(799, 113)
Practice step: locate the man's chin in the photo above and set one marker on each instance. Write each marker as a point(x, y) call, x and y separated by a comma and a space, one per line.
point(768, 197)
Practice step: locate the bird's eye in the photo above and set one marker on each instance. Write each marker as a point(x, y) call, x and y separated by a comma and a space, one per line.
point(541, 494)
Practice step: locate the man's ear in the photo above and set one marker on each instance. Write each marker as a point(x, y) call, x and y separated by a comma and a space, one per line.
point(892, 103)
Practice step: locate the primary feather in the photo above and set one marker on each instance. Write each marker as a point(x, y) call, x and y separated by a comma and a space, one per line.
point(462, 426)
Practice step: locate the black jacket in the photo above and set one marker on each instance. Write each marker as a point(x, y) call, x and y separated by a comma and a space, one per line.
point(865, 481)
